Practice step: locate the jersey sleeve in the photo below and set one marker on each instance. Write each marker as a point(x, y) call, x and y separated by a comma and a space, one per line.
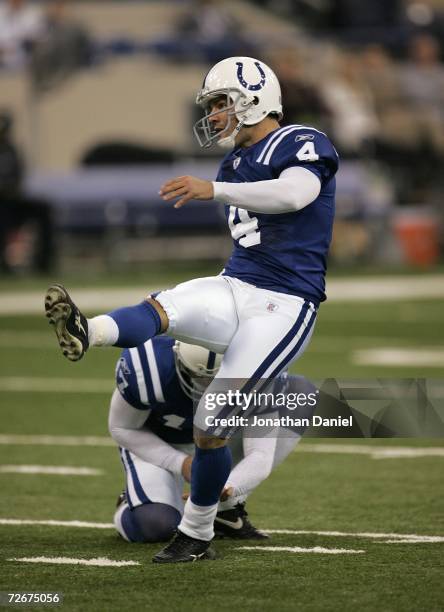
point(141, 372)
point(307, 148)
point(131, 387)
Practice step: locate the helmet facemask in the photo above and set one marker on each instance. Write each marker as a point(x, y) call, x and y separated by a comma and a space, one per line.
point(236, 104)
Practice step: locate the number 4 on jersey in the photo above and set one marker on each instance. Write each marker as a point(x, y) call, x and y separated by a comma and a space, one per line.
point(307, 152)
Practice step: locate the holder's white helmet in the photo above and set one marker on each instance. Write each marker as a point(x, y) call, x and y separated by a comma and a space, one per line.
point(193, 363)
point(252, 92)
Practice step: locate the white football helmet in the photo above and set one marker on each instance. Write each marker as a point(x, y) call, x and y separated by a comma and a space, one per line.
point(252, 92)
point(195, 365)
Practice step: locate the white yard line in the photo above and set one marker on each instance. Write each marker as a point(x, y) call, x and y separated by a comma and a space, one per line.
point(31, 302)
point(54, 523)
point(386, 538)
point(25, 384)
point(375, 452)
point(370, 289)
point(416, 540)
point(407, 453)
point(17, 339)
point(300, 549)
point(386, 288)
point(57, 470)
point(45, 440)
point(99, 562)
point(432, 357)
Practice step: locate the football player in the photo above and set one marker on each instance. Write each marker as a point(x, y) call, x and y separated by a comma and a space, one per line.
point(278, 188)
point(151, 419)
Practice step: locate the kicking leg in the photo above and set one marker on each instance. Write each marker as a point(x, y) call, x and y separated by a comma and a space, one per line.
point(200, 311)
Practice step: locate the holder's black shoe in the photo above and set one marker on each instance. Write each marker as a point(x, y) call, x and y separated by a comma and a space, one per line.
point(183, 549)
point(234, 524)
point(70, 325)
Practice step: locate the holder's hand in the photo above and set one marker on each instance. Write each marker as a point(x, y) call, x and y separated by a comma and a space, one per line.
point(226, 493)
point(186, 468)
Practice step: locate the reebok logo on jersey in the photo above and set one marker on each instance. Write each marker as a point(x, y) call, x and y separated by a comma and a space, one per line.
point(236, 163)
point(304, 137)
point(124, 366)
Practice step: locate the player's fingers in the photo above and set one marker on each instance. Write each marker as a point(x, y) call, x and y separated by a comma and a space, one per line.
point(166, 190)
point(174, 194)
point(178, 181)
point(183, 200)
point(185, 496)
point(170, 186)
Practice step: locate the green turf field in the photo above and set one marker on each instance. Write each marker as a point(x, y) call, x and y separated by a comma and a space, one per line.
point(350, 493)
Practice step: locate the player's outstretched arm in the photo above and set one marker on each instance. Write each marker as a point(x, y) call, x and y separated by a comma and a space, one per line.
point(294, 189)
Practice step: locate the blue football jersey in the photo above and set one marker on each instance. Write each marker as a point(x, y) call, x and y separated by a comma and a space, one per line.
point(146, 378)
point(283, 252)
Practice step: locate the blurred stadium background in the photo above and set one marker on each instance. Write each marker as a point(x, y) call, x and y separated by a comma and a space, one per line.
point(96, 110)
point(97, 104)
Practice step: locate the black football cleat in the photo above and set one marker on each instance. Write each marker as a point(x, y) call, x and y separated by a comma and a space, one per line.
point(234, 524)
point(70, 325)
point(183, 549)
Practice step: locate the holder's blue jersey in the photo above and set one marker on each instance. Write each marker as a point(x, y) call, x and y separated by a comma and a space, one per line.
point(284, 252)
point(146, 378)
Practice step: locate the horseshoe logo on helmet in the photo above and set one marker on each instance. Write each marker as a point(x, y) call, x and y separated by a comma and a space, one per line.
point(243, 82)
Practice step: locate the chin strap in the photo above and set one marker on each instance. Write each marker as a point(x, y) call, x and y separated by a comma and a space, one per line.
point(229, 141)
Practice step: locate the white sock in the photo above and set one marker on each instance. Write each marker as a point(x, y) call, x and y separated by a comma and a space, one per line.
point(102, 331)
point(198, 521)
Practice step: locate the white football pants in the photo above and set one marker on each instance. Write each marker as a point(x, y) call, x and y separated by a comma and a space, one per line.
point(260, 332)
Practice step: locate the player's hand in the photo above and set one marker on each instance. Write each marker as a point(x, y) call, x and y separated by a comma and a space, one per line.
point(226, 493)
point(186, 468)
point(186, 188)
